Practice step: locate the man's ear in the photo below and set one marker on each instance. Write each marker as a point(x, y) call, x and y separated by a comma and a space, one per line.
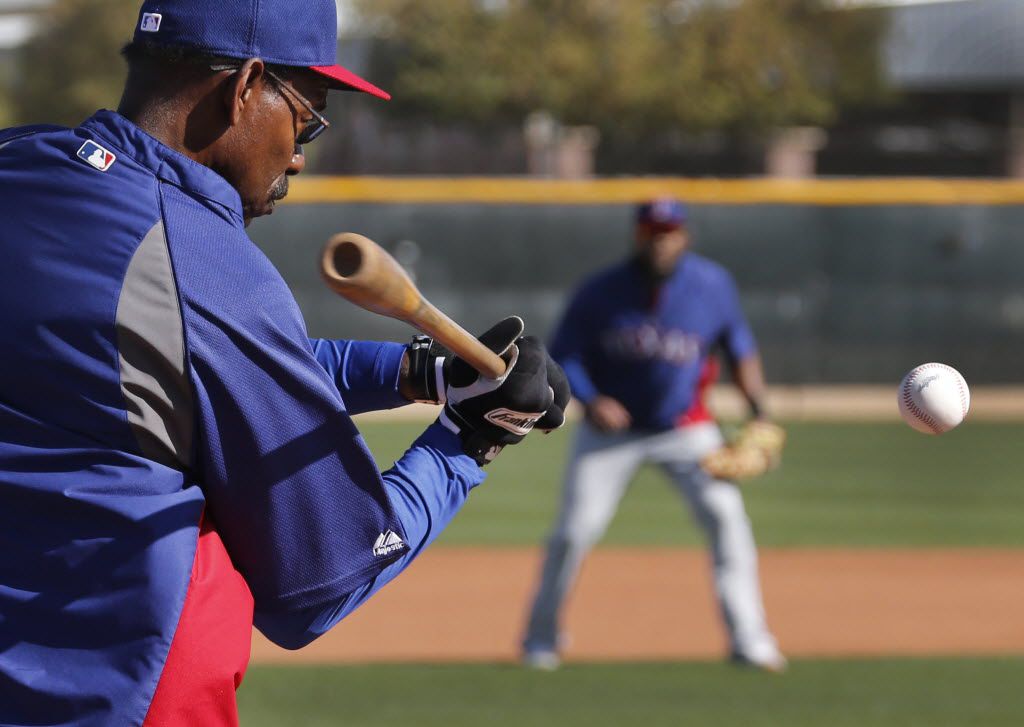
point(243, 88)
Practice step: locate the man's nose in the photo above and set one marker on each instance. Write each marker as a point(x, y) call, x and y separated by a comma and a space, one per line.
point(298, 162)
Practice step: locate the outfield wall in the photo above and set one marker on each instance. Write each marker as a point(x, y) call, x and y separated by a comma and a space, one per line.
point(845, 281)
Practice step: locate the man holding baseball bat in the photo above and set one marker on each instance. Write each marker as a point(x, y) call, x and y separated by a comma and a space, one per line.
point(177, 458)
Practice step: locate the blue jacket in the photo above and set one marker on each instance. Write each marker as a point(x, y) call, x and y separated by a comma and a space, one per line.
point(647, 345)
point(156, 382)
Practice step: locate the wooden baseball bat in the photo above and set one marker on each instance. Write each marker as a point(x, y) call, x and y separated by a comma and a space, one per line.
point(360, 270)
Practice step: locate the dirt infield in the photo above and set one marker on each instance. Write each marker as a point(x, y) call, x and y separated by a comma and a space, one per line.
point(468, 604)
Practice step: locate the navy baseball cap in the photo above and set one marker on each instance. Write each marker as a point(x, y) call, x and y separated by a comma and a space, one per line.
point(283, 32)
point(663, 213)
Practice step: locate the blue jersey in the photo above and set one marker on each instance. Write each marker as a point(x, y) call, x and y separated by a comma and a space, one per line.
point(177, 458)
point(647, 345)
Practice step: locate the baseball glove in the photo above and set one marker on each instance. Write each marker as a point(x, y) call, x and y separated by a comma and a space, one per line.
point(756, 449)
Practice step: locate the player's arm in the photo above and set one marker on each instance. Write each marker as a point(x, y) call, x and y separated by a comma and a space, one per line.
point(424, 511)
point(533, 381)
point(748, 374)
point(740, 347)
point(569, 343)
point(568, 346)
point(290, 485)
point(757, 447)
point(370, 375)
point(422, 505)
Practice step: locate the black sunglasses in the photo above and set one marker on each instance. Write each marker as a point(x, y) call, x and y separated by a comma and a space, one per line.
point(314, 127)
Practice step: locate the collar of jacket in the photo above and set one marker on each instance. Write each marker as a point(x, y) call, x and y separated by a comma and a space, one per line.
point(168, 165)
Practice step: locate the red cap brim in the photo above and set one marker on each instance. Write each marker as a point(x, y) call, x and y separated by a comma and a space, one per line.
point(350, 81)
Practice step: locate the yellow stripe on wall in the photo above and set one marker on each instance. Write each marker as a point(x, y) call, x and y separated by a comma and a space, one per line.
point(512, 190)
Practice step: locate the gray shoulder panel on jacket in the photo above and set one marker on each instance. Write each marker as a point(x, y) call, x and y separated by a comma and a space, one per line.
point(151, 350)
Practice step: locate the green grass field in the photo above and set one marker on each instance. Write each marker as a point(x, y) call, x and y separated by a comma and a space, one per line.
point(862, 484)
point(883, 693)
point(849, 484)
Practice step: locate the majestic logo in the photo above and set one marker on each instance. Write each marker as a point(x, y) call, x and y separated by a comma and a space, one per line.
point(96, 156)
point(387, 542)
point(151, 22)
point(516, 422)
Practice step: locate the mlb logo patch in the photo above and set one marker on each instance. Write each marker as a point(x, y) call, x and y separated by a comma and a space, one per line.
point(150, 22)
point(96, 156)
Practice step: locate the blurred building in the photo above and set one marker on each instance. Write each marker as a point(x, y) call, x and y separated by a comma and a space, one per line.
point(958, 67)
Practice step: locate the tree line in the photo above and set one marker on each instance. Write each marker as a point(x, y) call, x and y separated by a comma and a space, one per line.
point(632, 68)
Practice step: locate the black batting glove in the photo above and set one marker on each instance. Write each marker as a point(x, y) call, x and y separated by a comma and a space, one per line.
point(490, 414)
point(429, 365)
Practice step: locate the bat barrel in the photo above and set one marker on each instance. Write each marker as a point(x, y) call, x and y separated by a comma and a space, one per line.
point(359, 270)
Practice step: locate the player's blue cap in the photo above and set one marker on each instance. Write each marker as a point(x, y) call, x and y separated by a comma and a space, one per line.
point(283, 32)
point(663, 212)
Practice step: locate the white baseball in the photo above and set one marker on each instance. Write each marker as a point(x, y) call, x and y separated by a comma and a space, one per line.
point(934, 398)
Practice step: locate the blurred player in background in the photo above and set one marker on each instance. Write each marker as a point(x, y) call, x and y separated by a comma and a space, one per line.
point(177, 458)
point(637, 344)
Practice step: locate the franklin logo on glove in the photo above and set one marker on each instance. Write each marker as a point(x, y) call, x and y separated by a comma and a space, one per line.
point(514, 421)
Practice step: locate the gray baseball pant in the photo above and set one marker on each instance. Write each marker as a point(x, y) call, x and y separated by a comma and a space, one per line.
point(599, 471)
